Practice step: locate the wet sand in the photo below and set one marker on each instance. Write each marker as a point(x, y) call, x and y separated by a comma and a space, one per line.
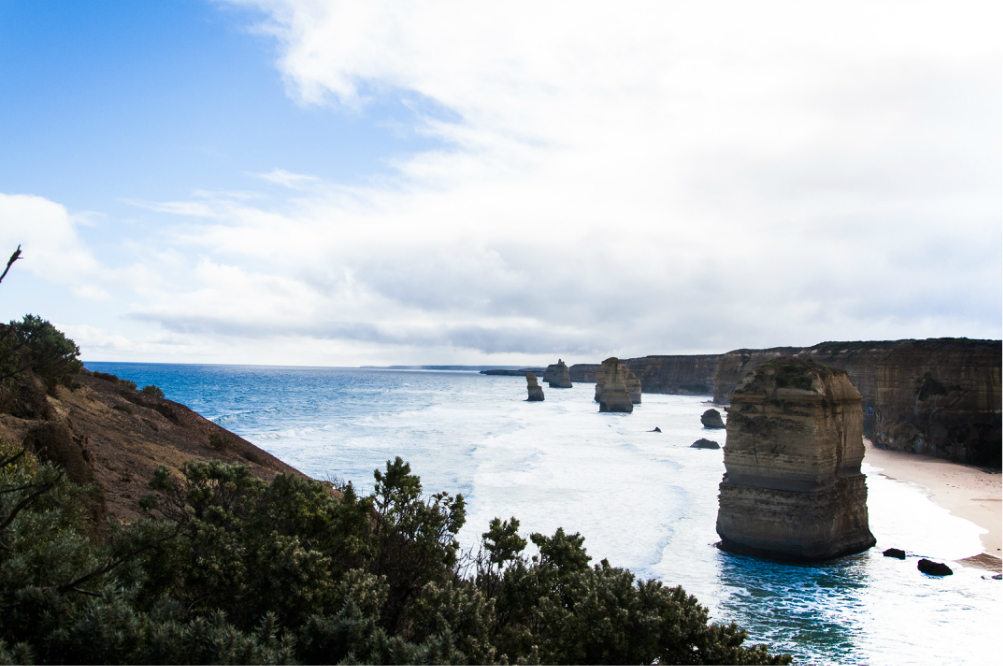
point(968, 492)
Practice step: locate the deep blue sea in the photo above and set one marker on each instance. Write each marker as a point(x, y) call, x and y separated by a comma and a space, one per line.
point(644, 500)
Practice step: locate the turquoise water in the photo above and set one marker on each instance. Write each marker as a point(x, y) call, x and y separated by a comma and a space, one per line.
point(643, 500)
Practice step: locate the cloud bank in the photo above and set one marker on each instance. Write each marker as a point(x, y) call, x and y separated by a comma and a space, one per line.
point(612, 179)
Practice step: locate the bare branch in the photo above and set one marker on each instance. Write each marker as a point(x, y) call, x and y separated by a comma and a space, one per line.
point(14, 257)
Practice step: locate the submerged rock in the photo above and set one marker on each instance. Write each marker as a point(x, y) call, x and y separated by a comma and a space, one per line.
point(631, 383)
point(535, 390)
point(894, 552)
point(932, 568)
point(557, 375)
point(712, 419)
point(793, 487)
point(705, 444)
point(656, 429)
point(613, 396)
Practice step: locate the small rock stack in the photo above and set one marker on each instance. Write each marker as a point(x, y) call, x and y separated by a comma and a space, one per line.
point(557, 375)
point(630, 382)
point(793, 487)
point(535, 390)
point(613, 395)
point(712, 420)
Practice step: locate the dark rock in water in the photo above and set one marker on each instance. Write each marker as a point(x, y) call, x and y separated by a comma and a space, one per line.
point(998, 577)
point(932, 568)
point(894, 552)
point(535, 390)
point(793, 488)
point(657, 429)
point(712, 419)
point(705, 444)
point(557, 375)
point(615, 397)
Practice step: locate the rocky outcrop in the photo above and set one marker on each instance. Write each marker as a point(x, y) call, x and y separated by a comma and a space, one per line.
point(793, 487)
point(897, 553)
point(113, 436)
point(557, 375)
point(712, 419)
point(678, 375)
point(584, 373)
point(705, 444)
point(938, 397)
point(535, 390)
point(931, 568)
point(734, 366)
point(630, 381)
point(613, 396)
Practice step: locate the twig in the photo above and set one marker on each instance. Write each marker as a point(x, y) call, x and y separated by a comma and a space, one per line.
point(14, 257)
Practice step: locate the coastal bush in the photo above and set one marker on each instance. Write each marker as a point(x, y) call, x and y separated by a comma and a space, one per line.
point(228, 568)
point(153, 391)
point(128, 383)
point(219, 441)
point(106, 376)
point(45, 350)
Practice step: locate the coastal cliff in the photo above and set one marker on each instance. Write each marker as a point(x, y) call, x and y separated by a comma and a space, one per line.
point(938, 397)
point(734, 366)
point(679, 374)
point(106, 433)
point(584, 373)
point(793, 487)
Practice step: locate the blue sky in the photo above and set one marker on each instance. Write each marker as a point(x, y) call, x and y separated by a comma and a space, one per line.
point(283, 181)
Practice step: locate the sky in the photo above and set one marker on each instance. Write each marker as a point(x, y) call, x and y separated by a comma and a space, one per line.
point(301, 182)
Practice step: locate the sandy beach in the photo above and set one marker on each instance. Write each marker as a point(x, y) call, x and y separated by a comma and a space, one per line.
point(968, 492)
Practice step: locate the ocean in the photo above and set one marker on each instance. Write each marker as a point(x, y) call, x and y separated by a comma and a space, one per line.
point(643, 500)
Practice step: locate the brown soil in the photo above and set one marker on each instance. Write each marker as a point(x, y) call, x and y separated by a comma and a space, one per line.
point(115, 437)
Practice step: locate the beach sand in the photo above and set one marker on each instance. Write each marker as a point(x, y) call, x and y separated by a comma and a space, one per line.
point(968, 492)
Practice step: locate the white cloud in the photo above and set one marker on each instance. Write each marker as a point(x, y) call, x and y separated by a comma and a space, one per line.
point(624, 178)
point(51, 248)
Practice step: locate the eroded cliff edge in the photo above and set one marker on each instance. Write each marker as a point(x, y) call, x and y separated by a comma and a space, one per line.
point(793, 487)
point(111, 435)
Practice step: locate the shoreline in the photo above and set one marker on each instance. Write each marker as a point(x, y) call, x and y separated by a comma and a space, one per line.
point(967, 492)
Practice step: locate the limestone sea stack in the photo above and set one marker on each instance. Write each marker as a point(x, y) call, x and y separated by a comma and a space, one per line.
point(792, 487)
point(630, 382)
point(557, 375)
point(712, 419)
point(613, 396)
point(535, 390)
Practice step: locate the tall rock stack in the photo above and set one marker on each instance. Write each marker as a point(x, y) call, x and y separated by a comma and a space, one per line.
point(631, 383)
point(557, 375)
point(535, 390)
point(613, 396)
point(793, 487)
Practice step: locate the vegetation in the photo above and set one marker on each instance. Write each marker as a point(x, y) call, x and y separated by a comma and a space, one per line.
point(230, 569)
point(153, 391)
point(227, 568)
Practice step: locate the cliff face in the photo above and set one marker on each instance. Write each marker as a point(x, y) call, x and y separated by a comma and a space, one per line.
point(684, 375)
point(733, 367)
point(584, 372)
point(793, 487)
point(115, 437)
point(939, 397)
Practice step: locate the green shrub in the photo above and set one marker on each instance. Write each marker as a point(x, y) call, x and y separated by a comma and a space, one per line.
point(219, 441)
point(153, 391)
point(237, 570)
point(106, 376)
point(48, 352)
point(128, 383)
